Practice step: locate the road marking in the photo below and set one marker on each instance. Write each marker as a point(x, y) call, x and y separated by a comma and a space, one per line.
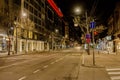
point(36, 71)
point(115, 78)
point(113, 72)
point(113, 69)
point(3, 67)
point(22, 78)
point(61, 58)
point(45, 66)
point(52, 62)
point(56, 60)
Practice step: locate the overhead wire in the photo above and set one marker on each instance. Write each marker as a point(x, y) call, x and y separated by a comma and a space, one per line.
point(93, 9)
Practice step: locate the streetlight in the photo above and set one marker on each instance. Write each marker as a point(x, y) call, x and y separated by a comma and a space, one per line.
point(77, 11)
point(77, 21)
point(24, 16)
point(56, 36)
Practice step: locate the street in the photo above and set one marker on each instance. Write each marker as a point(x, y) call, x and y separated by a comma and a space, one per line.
point(62, 65)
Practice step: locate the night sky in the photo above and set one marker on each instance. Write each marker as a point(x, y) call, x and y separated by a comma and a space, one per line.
point(99, 9)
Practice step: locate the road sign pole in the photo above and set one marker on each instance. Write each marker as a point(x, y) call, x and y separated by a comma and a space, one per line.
point(92, 25)
point(93, 48)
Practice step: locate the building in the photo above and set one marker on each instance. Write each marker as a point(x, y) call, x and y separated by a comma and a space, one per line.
point(54, 23)
point(34, 26)
point(114, 27)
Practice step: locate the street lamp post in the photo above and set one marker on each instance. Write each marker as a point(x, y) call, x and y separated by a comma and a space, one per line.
point(15, 36)
point(24, 16)
point(92, 25)
point(86, 33)
point(16, 40)
point(93, 48)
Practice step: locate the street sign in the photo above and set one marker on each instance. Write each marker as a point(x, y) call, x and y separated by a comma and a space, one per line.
point(92, 25)
point(88, 40)
point(87, 36)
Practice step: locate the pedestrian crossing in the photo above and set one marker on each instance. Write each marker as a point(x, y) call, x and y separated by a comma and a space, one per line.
point(114, 73)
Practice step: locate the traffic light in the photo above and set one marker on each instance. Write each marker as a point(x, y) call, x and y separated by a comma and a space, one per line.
point(95, 33)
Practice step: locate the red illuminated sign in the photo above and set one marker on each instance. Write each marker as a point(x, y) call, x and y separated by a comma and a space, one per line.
point(54, 6)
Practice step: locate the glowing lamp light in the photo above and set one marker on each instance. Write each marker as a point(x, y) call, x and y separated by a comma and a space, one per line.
point(77, 10)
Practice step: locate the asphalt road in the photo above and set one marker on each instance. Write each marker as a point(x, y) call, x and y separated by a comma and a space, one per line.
point(59, 65)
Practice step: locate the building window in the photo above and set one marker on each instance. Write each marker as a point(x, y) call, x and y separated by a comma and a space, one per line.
point(39, 8)
point(31, 17)
point(50, 14)
point(23, 46)
point(35, 20)
point(39, 15)
point(26, 5)
point(39, 22)
point(31, 9)
point(31, 1)
point(42, 4)
point(18, 2)
point(35, 12)
point(27, 0)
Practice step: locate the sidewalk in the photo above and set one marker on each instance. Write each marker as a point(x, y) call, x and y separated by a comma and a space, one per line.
point(88, 71)
point(5, 54)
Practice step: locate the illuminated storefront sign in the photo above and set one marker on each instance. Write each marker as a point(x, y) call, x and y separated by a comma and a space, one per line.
point(54, 6)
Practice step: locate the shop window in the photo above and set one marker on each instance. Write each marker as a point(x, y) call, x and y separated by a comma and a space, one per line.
point(35, 12)
point(23, 45)
point(50, 14)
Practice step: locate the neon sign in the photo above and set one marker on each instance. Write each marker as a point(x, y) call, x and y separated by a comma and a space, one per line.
point(54, 6)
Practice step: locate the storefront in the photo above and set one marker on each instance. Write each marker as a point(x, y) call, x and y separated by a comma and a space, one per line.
point(110, 45)
point(3, 42)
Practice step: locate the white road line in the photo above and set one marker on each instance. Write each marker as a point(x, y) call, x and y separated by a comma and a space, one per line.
point(56, 60)
point(115, 78)
point(52, 62)
point(16, 64)
point(59, 59)
point(113, 69)
point(22, 78)
point(45, 66)
point(36, 71)
point(113, 72)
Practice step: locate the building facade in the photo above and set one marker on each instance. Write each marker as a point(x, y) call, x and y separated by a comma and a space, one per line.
point(114, 27)
point(35, 26)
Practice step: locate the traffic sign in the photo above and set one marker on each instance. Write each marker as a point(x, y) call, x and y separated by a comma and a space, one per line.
point(88, 40)
point(87, 36)
point(92, 25)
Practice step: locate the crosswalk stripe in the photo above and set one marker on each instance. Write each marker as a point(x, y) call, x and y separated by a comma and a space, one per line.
point(113, 72)
point(115, 77)
point(113, 69)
